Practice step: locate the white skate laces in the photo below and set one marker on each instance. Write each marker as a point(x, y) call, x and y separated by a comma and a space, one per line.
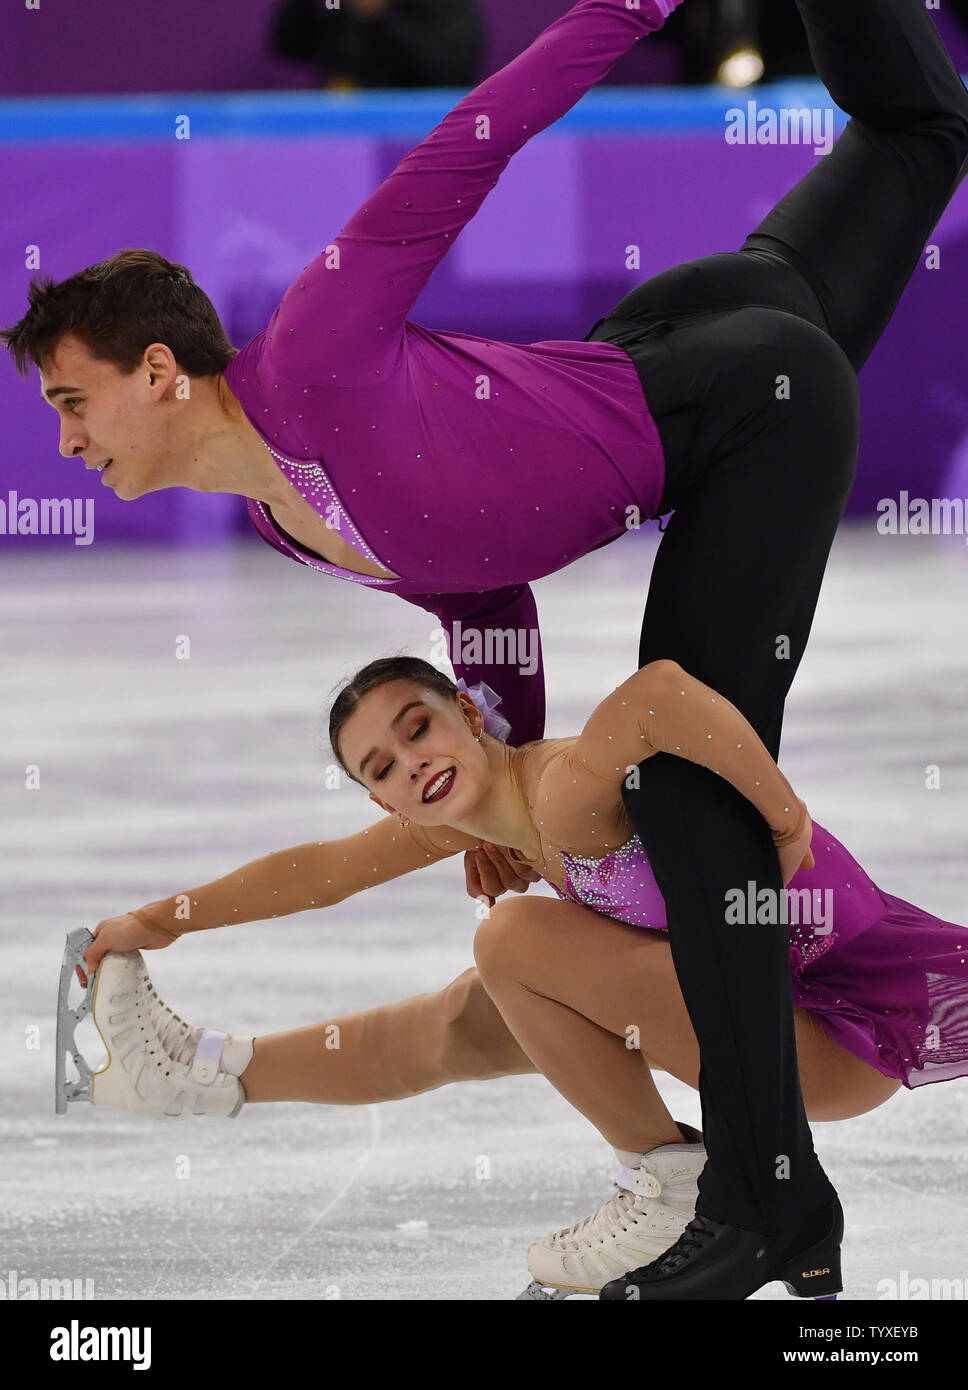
point(181, 1041)
point(649, 1209)
point(177, 1037)
point(158, 1066)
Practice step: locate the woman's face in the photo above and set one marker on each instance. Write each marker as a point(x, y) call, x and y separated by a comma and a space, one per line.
point(401, 740)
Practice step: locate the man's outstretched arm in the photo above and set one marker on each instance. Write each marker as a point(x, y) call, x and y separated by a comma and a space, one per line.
point(352, 300)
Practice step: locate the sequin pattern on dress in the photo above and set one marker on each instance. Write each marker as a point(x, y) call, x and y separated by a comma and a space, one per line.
point(622, 885)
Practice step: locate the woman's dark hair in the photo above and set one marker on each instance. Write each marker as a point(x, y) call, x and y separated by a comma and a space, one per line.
point(377, 673)
point(116, 308)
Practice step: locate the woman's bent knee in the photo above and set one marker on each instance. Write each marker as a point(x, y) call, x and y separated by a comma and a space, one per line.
point(500, 934)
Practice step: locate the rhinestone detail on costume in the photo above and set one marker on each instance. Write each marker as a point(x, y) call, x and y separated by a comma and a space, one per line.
point(622, 886)
point(313, 476)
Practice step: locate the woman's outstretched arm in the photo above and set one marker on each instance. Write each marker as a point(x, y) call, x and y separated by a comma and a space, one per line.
point(662, 709)
point(318, 874)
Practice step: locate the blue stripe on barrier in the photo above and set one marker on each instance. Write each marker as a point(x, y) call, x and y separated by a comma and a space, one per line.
point(406, 115)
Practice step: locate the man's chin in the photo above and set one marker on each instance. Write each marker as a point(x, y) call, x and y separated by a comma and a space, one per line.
point(125, 490)
point(131, 489)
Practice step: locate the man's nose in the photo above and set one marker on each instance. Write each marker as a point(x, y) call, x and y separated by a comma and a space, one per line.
point(70, 446)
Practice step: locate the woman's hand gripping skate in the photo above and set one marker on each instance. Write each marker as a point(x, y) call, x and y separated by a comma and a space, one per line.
point(124, 933)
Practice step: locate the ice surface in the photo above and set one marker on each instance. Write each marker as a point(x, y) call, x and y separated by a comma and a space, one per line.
point(157, 774)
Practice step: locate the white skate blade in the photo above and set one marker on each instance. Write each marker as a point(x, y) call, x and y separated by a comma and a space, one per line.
point(67, 1091)
point(547, 1293)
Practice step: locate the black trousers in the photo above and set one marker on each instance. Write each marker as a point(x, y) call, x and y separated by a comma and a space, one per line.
point(748, 360)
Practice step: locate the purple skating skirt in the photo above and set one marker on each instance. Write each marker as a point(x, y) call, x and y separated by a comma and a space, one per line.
point(896, 996)
point(887, 981)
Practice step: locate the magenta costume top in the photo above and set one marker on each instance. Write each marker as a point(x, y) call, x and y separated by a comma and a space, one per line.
point(465, 465)
point(885, 979)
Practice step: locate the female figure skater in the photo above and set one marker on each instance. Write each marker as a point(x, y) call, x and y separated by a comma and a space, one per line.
point(456, 469)
point(880, 986)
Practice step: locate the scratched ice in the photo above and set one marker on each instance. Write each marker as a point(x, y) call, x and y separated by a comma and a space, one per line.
point(157, 773)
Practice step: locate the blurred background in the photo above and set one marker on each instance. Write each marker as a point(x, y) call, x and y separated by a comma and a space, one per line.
point(296, 112)
point(270, 45)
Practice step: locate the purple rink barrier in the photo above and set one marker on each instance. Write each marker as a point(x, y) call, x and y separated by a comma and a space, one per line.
point(266, 180)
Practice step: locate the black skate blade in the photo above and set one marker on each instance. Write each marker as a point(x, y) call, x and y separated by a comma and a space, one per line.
point(65, 1089)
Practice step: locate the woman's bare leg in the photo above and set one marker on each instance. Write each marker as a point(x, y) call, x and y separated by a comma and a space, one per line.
point(389, 1052)
point(571, 982)
point(576, 988)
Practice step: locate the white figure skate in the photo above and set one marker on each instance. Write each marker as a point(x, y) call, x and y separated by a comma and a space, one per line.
point(157, 1066)
point(648, 1211)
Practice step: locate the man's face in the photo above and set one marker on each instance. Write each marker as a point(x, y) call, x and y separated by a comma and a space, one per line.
point(108, 416)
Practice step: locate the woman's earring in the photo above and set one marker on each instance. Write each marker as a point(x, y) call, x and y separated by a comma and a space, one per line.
point(480, 736)
point(404, 821)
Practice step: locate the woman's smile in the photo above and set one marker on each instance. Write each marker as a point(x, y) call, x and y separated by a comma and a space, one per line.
point(438, 787)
